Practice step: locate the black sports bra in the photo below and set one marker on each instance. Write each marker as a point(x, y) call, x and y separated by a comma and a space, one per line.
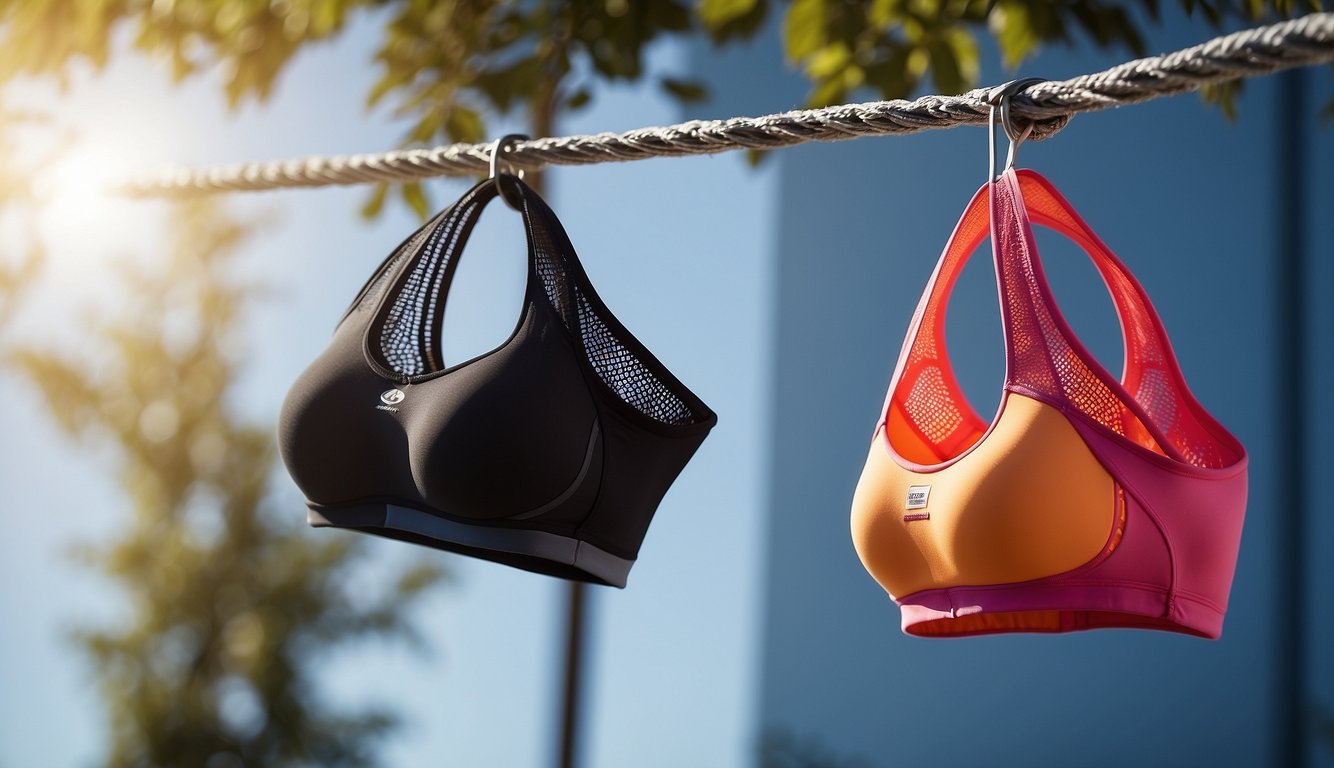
point(549, 453)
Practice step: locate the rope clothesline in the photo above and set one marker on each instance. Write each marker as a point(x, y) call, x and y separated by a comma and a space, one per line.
point(1049, 105)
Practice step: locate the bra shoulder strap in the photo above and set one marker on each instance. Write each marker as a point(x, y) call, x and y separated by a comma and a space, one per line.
point(408, 292)
point(1151, 404)
point(926, 415)
point(631, 374)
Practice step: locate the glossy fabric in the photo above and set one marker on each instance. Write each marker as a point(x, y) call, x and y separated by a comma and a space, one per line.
point(1087, 501)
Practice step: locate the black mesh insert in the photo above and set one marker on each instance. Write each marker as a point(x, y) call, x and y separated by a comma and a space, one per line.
point(407, 338)
point(615, 363)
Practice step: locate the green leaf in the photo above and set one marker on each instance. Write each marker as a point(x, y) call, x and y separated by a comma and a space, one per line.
point(742, 27)
point(1012, 25)
point(890, 76)
point(945, 70)
point(685, 91)
point(415, 197)
point(465, 125)
point(829, 61)
point(964, 46)
point(375, 203)
point(1224, 96)
point(804, 30)
point(578, 100)
point(883, 13)
point(716, 13)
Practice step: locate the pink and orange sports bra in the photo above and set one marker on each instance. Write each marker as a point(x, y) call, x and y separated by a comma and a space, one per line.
point(1087, 502)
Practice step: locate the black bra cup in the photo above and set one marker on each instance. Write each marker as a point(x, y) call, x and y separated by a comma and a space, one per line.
point(549, 453)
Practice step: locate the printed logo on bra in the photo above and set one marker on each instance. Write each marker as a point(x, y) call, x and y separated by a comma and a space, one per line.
point(917, 498)
point(391, 398)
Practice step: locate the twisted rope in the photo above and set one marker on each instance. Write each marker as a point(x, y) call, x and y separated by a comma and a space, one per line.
point(1048, 105)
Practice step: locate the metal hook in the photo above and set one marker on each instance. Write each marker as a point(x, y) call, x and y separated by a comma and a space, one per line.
point(1002, 96)
point(498, 147)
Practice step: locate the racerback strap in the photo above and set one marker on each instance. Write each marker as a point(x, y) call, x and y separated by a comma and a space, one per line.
point(405, 327)
point(929, 419)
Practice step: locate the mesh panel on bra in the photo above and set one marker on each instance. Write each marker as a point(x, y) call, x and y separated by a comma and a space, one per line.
point(371, 291)
point(620, 368)
point(1042, 358)
point(931, 406)
point(931, 402)
point(407, 342)
point(1030, 315)
point(1151, 377)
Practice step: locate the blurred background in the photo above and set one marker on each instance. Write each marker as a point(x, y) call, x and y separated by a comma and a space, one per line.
point(163, 604)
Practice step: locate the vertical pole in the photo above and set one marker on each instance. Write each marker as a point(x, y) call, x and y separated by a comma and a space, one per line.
point(574, 651)
point(1291, 729)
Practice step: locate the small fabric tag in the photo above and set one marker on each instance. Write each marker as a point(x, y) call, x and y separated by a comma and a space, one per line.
point(917, 496)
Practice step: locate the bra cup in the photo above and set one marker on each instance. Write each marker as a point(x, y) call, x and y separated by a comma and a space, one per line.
point(337, 444)
point(527, 414)
point(1029, 501)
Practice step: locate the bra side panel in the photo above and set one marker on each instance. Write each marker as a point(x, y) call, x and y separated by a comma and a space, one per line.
point(637, 471)
point(1027, 502)
point(1201, 512)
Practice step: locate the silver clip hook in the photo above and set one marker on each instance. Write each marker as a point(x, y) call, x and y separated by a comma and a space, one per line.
point(1002, 96)
point(499, 147)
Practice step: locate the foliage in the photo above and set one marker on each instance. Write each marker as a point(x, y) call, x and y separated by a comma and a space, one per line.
point(889, 46)
point(446, 66)
point(19, 265)
point(228, 606)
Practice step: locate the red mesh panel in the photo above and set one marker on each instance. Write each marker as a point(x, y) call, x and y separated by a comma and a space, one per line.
point(1152, 381)
point(927, 396)
point(1149, 406)
point(931, 406)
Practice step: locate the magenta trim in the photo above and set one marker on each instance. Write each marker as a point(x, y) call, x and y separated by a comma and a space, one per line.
point(917, 516)
point(1084, 605)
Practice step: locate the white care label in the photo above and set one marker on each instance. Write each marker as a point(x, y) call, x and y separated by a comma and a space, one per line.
point(917, 496)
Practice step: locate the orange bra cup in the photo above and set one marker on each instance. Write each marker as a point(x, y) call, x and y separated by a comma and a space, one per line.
point(1029, 501)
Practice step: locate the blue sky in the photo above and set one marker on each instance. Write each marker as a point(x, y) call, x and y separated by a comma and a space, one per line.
point(694, 293)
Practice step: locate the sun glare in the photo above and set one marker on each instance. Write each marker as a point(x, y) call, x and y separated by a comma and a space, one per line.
point(80, 186)
point(85, 220)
